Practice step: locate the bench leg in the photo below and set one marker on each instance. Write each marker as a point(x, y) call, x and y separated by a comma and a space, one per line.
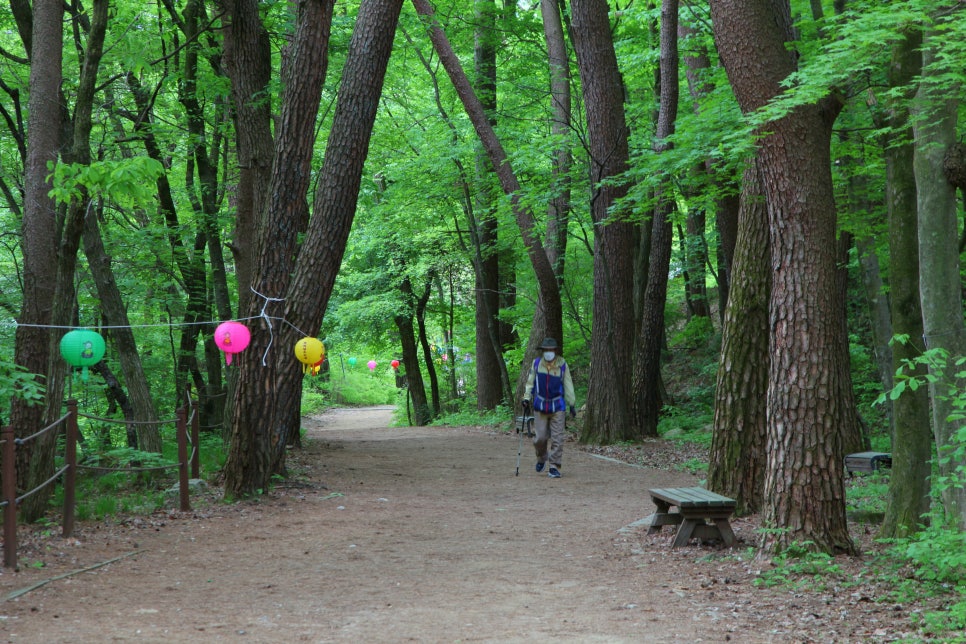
point(699, 528)
point(684, 532)
point(727, 535)
point(662, 517)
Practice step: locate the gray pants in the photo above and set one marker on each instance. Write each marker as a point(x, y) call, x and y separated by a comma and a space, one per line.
point(549, 428)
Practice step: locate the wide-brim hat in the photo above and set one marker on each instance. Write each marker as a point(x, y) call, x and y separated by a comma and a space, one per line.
point(548, 343)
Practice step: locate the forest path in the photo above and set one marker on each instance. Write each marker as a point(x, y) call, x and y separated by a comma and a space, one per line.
point(388, 534)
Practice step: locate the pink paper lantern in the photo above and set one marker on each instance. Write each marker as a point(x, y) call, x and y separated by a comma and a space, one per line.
point(372, 365)
point(232, 337)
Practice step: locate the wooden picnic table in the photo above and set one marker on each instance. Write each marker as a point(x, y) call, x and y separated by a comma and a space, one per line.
point(701, 514)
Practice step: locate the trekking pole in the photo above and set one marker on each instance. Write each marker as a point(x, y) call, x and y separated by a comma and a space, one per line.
point(524, 427)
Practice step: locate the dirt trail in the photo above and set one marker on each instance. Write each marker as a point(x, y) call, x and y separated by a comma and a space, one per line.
point(392, 535)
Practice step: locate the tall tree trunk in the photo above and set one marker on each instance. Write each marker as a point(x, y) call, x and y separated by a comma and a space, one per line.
point(40, 227)
point(542, 268)
point(489, 352)
point(205, 151)
point(65, 296)
point(877, 302)
point(694, 243)
point(940, 285)
point(650, 337)
point(804, 487)
point(414, 376)
point(912, 438)
point(115, 314)
point(248, 62)
point(489, 334)
point(726, 223)
point(423, 340)
point(558, 207)
point(608, 416)
point(738, 460)
point(190, 262)
point(266, 405)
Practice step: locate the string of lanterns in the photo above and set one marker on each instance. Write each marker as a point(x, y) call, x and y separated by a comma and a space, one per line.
point(85, 347)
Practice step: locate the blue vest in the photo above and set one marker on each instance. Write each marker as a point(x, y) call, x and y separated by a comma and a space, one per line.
point(548, 390)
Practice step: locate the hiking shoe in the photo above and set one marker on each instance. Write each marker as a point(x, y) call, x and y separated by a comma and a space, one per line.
point(539, 467)
point(553, 473)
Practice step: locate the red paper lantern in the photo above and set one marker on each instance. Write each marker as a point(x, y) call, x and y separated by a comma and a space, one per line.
point(395, 364)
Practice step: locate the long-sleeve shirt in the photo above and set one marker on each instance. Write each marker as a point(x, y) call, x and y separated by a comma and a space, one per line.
point(542, 376)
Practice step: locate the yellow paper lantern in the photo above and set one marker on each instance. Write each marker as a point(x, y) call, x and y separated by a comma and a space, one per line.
point(309, 351)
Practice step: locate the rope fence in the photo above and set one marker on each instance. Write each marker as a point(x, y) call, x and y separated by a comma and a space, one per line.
point(8, 462)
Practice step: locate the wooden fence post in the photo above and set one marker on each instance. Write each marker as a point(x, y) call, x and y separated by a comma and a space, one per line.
point(9, 484)
point(195, 431)
point(70, 474)
point(183, 458)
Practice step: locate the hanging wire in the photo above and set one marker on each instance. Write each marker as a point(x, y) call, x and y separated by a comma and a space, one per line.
point(263, 315)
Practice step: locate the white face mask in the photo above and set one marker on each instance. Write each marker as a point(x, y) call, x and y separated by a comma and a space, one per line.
point(549, 356)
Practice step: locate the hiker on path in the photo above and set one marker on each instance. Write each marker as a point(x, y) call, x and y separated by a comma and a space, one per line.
point(549, 392)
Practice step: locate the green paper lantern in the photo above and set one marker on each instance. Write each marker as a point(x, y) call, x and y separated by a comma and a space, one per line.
point(82, 348)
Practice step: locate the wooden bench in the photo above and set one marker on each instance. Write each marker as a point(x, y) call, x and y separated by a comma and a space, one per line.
point(696, 508)
point(867, 462)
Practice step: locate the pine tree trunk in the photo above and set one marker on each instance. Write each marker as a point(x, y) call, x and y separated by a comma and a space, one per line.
point(810, 407)
point(738, 461)
point(266, 402)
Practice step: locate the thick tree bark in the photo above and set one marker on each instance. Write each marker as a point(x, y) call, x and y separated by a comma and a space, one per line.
point(65, 298)
point(608, 416)
point(40, 226)
point(738, 461)
point(810, 407)
point(266, 404)
point(940, 285)
point(912, 438)
point(650, 338)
